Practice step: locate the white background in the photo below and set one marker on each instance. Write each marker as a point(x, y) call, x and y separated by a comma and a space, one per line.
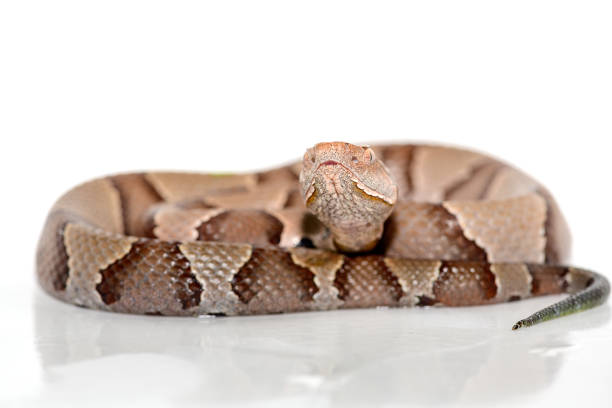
point(91, 88)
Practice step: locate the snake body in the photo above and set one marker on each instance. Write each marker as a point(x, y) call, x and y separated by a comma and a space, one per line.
point(464, 229)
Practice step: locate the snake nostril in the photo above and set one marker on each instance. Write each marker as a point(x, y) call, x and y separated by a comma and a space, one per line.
point(354, 159)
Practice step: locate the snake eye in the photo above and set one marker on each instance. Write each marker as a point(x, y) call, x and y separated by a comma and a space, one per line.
point(369, 155)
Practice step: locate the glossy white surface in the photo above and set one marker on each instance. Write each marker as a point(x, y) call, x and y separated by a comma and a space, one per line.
point(56, 354)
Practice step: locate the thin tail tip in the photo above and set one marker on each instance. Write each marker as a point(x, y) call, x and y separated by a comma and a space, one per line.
point(518, 325)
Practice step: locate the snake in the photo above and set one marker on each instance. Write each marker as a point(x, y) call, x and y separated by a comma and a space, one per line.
point(348, 226)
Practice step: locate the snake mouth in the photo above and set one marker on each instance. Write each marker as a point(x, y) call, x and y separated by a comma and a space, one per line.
point(335, 163)
point(329, 163)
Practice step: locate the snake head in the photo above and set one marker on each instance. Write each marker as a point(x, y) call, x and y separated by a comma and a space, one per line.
point(349, 190)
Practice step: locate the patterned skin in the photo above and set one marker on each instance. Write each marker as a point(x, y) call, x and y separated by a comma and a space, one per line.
point(352, 226)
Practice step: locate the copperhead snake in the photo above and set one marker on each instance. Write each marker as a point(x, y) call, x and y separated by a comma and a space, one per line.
point(347, 227)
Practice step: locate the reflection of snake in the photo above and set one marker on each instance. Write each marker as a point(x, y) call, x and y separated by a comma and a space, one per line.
point(433, 225)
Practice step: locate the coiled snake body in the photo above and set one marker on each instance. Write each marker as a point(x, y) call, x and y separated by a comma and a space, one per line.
point(432, 225)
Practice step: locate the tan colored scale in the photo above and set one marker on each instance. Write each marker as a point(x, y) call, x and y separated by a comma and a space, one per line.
point(477, 185)
point(179, 224)
point(215, 265)
point(51, 256)
point(438, 168)
point(177, 187)
point(510, 230)
point(513, 281)
point(137, 199)
point(89, 252)
point(268, 198)
point(97, 202)
point(324, 265)
point(416, 278)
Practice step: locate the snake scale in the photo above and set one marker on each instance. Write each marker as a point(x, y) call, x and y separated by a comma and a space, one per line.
point(347, 227)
